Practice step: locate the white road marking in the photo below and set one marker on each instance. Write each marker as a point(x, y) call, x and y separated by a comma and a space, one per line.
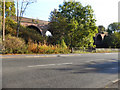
point(113, 60)
point(109, 53)
point(38, 56)
point(95, 60)
point(50, 65)
point(100, 59)
point(115, 81)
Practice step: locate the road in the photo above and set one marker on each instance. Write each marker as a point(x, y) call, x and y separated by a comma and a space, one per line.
point(61, 71)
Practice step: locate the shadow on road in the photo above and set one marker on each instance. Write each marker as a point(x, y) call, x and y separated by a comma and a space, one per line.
point(93, 67)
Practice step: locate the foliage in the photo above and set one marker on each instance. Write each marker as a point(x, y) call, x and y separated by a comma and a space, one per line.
point(32, 34)
point(32, 47)
point(9, 9)
point(33, 20)
point(11, 26)
point(113, 27)
point(113, 40)
point(25, 33)
point(46, 49)
point(74, 23)
point(116, 40)
point(24, 5)
point(57, 26)
point(0, 25)
point(14, 45)
point(63, 44)
point(101, 28)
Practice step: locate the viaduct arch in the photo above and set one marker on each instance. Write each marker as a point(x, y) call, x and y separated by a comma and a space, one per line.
point(99, 37)
point(39, 25)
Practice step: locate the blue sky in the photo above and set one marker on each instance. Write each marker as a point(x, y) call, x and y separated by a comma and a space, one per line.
point(106, 11)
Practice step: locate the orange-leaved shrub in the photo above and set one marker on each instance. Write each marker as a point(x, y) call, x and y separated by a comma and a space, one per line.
point(46, 49)
point(32, 47)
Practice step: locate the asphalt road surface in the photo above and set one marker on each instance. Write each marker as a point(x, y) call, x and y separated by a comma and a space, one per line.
point(59, 71)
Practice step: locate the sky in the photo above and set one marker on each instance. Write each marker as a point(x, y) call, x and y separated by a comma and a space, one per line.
point(105, 11)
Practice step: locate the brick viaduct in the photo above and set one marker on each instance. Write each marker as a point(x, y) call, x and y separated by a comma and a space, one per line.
point(39, 25)
point(42, 26)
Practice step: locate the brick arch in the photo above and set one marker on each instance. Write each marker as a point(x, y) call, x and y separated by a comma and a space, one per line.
point(42, 28)
point(35, 27)
point(99, 37)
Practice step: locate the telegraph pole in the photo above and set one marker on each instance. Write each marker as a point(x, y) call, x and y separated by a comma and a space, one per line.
point(3, 27)
point(17, 18)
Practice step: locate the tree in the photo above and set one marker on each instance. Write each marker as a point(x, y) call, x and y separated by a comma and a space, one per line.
point(113, 40)
point(0, 23)
point(9, 8)
point(57, 26)
point(24, 5)
point(101, 28)
point(74, 23)
point(113, 27)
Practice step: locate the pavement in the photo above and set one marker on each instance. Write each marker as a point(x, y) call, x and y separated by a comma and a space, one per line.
point(44, 55)
point(60, 71)
point(35, 55)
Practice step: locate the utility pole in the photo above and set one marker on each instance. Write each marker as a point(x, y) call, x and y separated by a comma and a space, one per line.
point(17, 18)
point(3, 27)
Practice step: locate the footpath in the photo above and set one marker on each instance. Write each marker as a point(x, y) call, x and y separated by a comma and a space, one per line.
point(45, 55)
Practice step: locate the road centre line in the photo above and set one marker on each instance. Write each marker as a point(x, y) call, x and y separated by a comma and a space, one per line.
point(50, 65)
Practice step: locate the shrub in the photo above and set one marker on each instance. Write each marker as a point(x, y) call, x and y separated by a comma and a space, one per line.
point(14, 45)
point(27, 33)
point(63, 44)
point(50, 49)
point(32, 47)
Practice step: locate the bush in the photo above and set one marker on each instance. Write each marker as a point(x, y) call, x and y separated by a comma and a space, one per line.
point(14, 45)
point(63, 44)
point(46, 49)
point(27, 33)
point(32, 47)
